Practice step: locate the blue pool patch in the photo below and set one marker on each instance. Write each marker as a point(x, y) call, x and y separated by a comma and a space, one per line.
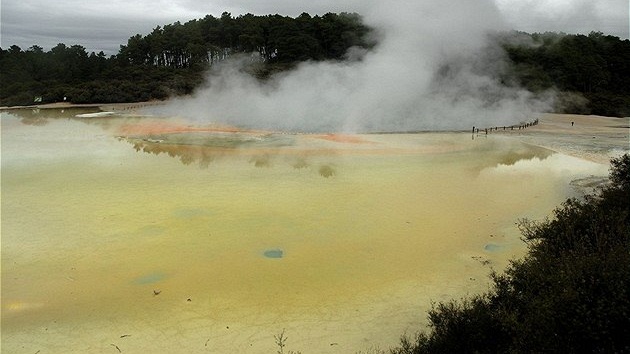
point(491, 247)
point(274, 253)
point(150, 278)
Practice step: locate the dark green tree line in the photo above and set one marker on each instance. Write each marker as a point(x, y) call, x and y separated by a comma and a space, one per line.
point(172, 58)
point(274, 38)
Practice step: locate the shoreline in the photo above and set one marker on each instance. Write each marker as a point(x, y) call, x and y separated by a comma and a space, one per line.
point(589, 137)
point(592, 138)
point(124, 106)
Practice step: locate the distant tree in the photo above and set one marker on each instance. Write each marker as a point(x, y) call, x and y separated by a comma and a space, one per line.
point(591, 73)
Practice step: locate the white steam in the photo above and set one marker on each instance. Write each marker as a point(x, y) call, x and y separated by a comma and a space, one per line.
point(432, 69)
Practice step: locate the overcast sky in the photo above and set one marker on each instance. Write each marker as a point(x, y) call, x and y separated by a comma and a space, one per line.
point(106, 24)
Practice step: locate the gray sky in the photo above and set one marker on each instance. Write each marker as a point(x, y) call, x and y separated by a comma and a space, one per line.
point(106, 24)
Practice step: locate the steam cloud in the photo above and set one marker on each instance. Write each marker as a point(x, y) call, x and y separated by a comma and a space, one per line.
point(432, 69)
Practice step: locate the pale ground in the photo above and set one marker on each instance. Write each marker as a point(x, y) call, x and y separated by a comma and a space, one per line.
point(104, 107)
point(592, 138)
point(221, 324)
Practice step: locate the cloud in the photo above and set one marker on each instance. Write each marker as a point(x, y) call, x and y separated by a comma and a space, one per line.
point(433, 68)
point(104, 25)
point(97, 25)
point(570, 16)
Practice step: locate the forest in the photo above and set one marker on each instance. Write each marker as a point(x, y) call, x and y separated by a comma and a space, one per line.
point(172, 59)
point(589, 73)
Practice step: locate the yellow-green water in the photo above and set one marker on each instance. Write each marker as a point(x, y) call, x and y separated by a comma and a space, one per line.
point(343, 245)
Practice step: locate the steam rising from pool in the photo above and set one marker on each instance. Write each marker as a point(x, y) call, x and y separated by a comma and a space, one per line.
point(432, 69)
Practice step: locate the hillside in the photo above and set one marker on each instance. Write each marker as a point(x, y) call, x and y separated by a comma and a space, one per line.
point(587, 74)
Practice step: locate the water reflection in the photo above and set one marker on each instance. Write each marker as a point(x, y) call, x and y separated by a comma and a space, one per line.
point(204, 145)
point(204, 155)
point(187, 154)
point(514, 155)
point(215, 139)
point(326, 171)
point(577, 177)
point(33, 117)
point(41, 116)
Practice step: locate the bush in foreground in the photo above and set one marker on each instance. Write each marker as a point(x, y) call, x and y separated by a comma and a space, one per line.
point(571, 293)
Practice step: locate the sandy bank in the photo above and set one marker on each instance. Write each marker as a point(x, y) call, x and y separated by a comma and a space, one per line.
point(593, 138)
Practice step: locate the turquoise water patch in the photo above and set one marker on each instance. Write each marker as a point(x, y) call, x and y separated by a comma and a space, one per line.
point(274, 253)
point(150, 278)
point(491, 247)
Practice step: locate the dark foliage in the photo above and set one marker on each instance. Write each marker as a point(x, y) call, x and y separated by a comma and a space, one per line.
point(595, 68)
point(171, 60)
point(570, 294)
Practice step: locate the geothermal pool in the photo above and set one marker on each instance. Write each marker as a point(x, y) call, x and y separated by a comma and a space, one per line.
point(134, 235)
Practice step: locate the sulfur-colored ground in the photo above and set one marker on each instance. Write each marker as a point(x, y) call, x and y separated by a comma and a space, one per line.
point(404, 220)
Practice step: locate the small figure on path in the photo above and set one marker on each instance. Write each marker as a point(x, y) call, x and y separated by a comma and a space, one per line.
point(572, 123)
